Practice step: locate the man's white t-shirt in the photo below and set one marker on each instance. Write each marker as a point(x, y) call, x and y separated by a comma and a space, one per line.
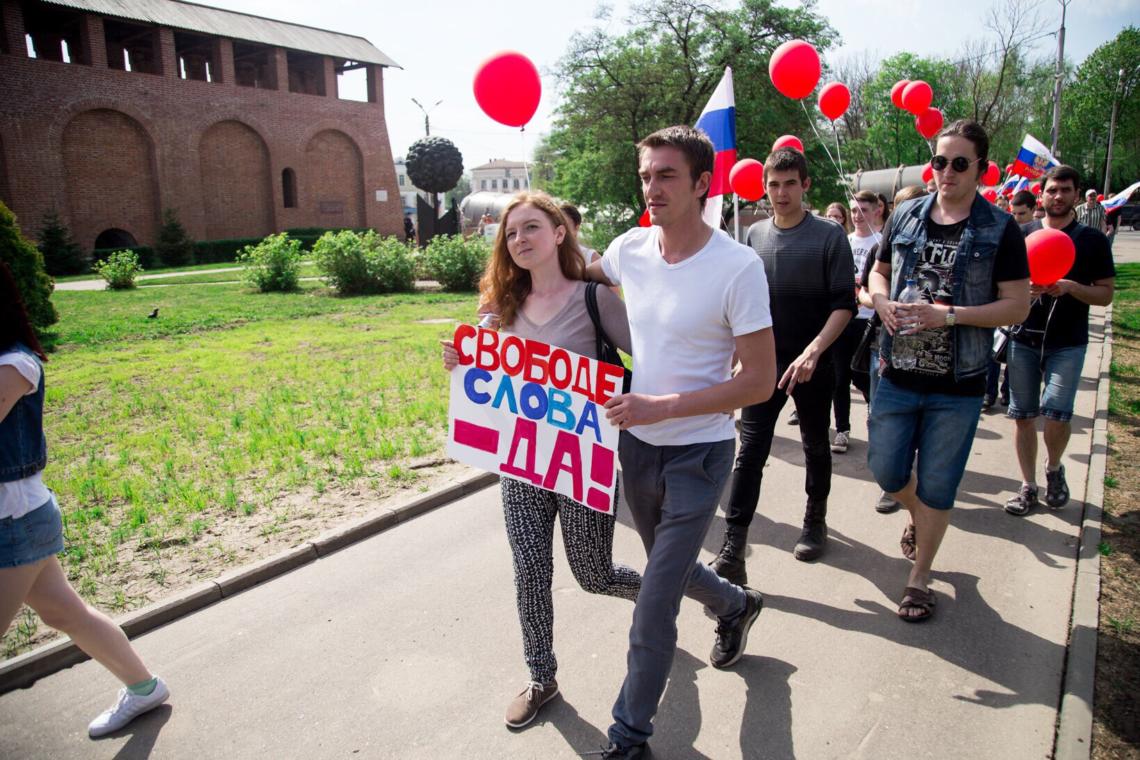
point(682, 321)
point(860, 250)
point(19, 497)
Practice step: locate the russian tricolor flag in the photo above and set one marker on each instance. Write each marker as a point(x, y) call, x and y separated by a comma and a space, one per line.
point(1033, 159)
point(718, 121)
point(1118, 200)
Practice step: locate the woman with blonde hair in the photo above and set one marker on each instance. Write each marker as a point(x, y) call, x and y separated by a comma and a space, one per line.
point(534, 284)
point(837, 212)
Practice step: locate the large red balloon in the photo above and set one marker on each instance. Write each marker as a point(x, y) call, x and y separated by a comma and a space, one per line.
point(897, 92)
point(834, 98)
point(1051, 256)
point(990, 194)
point(917, 97)
point(1035, 188)
point(1099, 197)
point(928, 122)
point(794, 69)
point(992, 174)
point(747, 179)
point(788, 141)
point(927, 172)
point(643, 221)
point(507, 88)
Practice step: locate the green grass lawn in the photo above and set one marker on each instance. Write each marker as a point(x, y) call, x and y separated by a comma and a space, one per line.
point(160, 429)
point(307, 270)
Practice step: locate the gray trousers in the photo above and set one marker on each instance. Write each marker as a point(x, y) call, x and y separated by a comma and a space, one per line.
point(673, 493)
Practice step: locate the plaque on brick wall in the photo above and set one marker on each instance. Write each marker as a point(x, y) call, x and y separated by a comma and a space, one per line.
point(332, 207)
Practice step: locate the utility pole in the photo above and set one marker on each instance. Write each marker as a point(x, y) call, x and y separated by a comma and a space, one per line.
point(1059, 77)
point(1112, 131)
point(427, 122)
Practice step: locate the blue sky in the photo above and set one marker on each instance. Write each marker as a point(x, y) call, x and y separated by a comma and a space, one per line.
point(439, 64)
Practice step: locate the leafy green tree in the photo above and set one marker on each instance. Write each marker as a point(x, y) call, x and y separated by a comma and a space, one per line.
point(174, 247)
point(27, 266)
point(62, 255)
point(661, 71)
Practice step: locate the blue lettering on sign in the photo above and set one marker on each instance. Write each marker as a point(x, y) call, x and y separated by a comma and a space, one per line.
point(473, 376)
point(560, 407)
point(589, 419)
point(533, 392)
point(506, 391)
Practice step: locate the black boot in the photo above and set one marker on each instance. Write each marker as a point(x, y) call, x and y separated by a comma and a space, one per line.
point(729, 564)
point(814, 535)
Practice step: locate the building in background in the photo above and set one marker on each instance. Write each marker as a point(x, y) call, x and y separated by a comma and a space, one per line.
point(499, 176)
point(113, 110)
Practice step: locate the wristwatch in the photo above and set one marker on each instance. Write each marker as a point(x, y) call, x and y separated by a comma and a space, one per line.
point(951, 318)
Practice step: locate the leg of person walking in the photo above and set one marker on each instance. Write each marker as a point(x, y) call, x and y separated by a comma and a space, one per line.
point(813, 401)
point(588, 536)
point(1024, 372)
point(1062, 376)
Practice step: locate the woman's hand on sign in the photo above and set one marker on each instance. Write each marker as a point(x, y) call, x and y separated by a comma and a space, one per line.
point(631, 409)
point(450, 355)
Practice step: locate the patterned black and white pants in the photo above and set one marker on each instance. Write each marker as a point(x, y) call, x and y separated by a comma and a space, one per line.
point(588, 537)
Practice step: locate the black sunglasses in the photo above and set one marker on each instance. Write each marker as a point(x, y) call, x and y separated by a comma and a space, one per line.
point(959, 164)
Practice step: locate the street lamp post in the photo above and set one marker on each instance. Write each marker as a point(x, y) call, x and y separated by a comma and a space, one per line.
point(1059, 77)
point(427, 122)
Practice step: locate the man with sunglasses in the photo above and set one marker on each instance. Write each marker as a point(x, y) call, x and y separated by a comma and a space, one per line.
point(1049, 347)
point(971, 255)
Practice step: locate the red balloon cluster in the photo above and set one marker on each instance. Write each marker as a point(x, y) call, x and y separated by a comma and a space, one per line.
point(788, 141)
point(897, 92)
point(992, 174)
point(916, 97)
point(747, 179)
point(834, 98)
point(507, 88)
point(794, 69)
point(927, 172)
point(990, 194)
point(1051, 256)
point(928, 122)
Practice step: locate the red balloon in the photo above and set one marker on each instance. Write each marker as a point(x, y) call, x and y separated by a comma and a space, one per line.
point(927, 172)
point(788, 141)
point(1051, 256)
point(897, 92)
point(992, 174)
point(507, 88)
point(644, 220)
point(990, 194)
point(747, 179)
point(1035, 188)
point(834, 98)
point(928, 122)
point(917, 97)
point(1099, 197)
point(1008, 168)
point(794, 69)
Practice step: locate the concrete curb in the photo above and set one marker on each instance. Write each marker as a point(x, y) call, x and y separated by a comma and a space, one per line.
point(1075, 721)
point(23, 671)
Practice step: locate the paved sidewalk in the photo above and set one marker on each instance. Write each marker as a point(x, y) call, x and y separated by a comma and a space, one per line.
point(407, 645)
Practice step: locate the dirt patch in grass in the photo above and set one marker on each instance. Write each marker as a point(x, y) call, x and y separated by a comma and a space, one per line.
point(1116, 728)
point(149, 570)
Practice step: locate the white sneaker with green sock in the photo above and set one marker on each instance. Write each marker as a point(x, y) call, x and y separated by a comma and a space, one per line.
point(133, 701)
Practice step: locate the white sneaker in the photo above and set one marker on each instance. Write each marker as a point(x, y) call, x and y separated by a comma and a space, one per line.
point(126, 708)
point(839, 446)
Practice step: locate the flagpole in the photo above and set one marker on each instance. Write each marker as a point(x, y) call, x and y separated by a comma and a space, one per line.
point(736, 217)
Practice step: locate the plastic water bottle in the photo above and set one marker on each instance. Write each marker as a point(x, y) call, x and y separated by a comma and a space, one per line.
point(904, 345)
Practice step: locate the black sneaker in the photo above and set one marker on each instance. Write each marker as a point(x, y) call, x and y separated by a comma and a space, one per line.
point(794, 418)
point(987, 403)
point(1025, 500)
point(615, 751)
point(732, 634)
point(1056, 489)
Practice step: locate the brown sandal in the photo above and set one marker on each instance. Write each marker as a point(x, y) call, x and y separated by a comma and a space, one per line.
point(915, 598)
point(907, 542)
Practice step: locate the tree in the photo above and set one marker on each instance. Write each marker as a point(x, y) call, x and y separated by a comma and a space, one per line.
point(174, 247)
point(27, 265)
point(661, 71)
point(461, 190)
point(62, 255)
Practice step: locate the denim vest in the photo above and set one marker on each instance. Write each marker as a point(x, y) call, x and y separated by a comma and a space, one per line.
point(23, 448)
point(973, 273)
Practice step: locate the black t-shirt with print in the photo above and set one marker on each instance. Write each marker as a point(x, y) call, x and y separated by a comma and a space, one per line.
point(1068, 324)
point(934, 273)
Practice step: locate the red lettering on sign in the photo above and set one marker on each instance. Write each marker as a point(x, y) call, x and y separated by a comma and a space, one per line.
point(565, 445)
point(477, 436)
point(583, 380)
point(602, 466)
point(599, 500)
point(536, 370)
point(560, 369)
point(462, 334)
point(486, 353)
point(609, 380)
point(526, 432)
point(514, 349)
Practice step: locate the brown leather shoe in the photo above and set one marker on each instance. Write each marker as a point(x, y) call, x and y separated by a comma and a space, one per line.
point(524, 708)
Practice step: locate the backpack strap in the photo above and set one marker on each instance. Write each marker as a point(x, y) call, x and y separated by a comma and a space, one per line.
point(600, 337)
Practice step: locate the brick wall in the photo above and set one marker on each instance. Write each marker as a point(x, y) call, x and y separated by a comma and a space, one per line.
point(110, 149)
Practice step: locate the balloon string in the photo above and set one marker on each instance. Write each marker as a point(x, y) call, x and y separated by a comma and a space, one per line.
point(526, 158)
point(838, 155)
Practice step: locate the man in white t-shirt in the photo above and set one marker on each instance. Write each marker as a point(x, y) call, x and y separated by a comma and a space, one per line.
point(694, 297)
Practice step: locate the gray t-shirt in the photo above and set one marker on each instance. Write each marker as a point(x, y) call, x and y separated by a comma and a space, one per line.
point(571, 327)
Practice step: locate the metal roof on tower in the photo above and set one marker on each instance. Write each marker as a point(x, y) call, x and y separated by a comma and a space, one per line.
point(242, 26)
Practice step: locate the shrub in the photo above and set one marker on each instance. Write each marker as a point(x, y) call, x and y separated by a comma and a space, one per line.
point(62, 255)
point(27, 265)
point(119, 270)
point(359, 264)
point(174, 247)
point(457, 264)
point(145, 254)
point(274, 264)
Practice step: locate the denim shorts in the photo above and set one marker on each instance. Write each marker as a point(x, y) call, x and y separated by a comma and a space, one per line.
point(1059, 368)
point(938, 427)
point(35, 536)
